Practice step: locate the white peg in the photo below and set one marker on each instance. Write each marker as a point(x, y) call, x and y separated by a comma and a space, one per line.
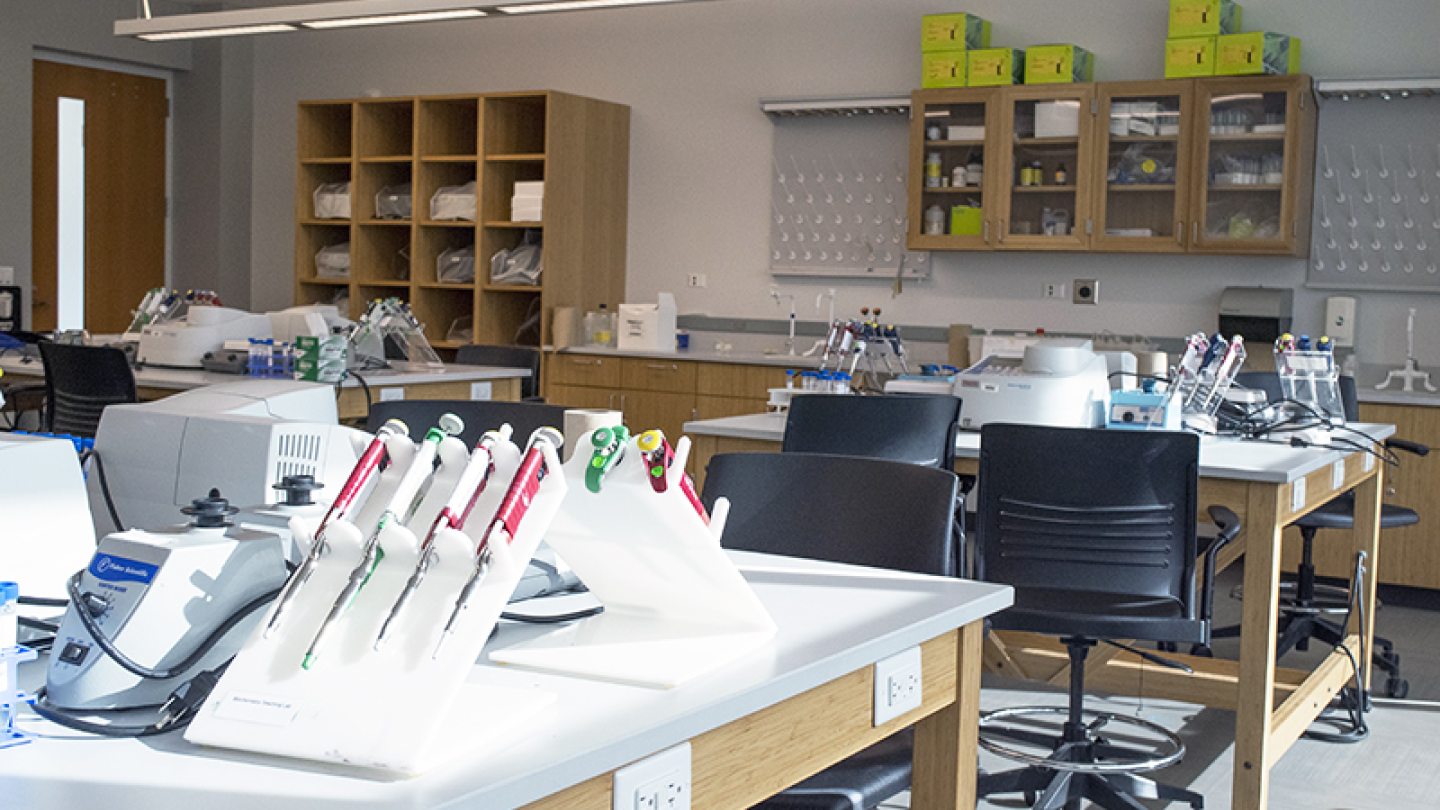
point(1384, 170)
point(1325, 161)
point(1354, 162)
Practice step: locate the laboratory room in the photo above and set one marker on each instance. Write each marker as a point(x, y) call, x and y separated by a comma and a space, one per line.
point(719, 404)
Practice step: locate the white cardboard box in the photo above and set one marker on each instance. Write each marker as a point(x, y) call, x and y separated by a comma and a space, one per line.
point(648, 327)
point(1057, 119)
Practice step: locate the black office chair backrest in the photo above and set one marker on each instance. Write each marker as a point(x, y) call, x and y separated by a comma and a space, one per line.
point(1269, 382)
point(882, 514)
point(917, 429)
point(1103, 511)
point(79, 382)
point(478, 416)
point(526, 357)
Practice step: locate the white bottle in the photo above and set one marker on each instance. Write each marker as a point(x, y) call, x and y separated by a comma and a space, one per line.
point(934, 221)
point(933, 170)
point(959, 177)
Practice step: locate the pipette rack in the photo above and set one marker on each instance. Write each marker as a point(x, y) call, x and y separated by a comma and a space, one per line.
point(1312, 379)
point(12, 697)
point(348, 707)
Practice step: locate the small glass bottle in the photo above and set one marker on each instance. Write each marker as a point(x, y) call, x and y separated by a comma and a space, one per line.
point(975, 171)
point(790, 379)
point(1061, 176)
point(957, 177)
point(933, 170)
point(934, 221)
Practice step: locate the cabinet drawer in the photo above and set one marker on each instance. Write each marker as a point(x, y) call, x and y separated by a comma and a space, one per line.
point(731, 380)
point(585, 369)
point(644, 374)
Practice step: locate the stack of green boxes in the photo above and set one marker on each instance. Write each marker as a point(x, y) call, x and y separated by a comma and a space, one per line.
point(1058, 64)
point(1206, 40)
point(946, 42)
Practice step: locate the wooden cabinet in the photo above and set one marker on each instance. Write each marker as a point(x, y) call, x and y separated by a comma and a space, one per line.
point(416, 146)
point(1255, 150)
point(1145, 145)
point(1047, 133)
point(1219, 165)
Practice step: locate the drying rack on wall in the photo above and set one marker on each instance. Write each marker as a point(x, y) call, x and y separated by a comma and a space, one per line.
point(1377, 187)
point(838, 202)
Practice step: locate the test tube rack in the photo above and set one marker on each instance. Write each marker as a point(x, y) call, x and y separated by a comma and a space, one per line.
point(350, 707)
point(676, 606)
point(12, 697)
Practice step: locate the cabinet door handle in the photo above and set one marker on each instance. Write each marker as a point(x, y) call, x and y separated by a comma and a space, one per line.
point(622, 403)
point(575, 361)
point(1180, 233)
point(610, 402)
point(662, 367)
point(1195, 232)
point(1002, 230)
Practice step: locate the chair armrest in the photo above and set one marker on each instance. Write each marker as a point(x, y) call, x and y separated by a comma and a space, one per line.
point(1229, 525)
point(1408, 446)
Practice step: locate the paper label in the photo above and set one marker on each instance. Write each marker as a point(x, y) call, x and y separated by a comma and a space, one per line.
point(250, 707)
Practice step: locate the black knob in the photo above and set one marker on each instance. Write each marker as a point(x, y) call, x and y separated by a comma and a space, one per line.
point(296, 489)
point(210, 512)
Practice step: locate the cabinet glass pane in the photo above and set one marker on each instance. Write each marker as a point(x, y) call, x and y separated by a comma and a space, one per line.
point(1246, 166)
point(1046, 156)
point(952, 198)
point(1141, 165)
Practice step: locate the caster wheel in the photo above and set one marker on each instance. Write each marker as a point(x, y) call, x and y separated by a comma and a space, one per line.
point(1397, 688)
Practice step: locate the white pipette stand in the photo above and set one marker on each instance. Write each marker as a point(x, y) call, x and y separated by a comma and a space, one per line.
point(347, 707)
point(1410, 373)
point(676, 607)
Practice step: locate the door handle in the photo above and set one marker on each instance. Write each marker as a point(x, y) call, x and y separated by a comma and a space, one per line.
point(662, 367)
point(1180, 233)
point(1195, 232)
point(575, 361)
point(985, 228)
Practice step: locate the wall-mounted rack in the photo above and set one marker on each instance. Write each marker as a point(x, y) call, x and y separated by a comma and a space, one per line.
point(891, 104)
point(1381, 89)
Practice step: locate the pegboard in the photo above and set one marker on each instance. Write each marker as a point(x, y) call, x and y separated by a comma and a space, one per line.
point(838, 199)
point(1377, 196)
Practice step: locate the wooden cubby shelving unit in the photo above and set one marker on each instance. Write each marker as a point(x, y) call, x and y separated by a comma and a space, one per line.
point(579, 146)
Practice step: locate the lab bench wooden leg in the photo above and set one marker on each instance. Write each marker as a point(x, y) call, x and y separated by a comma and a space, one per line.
point(1255, 694)
point(947, 742)
point(1366, 538)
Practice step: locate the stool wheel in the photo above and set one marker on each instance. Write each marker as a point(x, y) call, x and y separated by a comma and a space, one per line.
point(1170, 748)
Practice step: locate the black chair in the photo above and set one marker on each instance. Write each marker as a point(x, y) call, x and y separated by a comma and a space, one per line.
point(1305, 603)
point(882, 514)
point(80, 381)
point(526, 357)
point(1095, 530)
point(478, 416)
point(917, 429)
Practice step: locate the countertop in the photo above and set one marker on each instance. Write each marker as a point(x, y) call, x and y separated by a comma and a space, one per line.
point(181, 379)
point(1373, 375)
point(701, 356)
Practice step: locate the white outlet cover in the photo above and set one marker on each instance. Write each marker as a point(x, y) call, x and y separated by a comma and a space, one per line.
point(1337, 474)
point(637, 782)
point(1297, 495)
point(898, 667)
point(481, 391)
point(392, 394)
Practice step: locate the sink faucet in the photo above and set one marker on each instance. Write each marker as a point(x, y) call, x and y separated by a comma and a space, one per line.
point(789, 341)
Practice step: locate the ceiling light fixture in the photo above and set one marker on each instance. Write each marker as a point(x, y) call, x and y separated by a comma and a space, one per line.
point(396, 19)
point(341, 14)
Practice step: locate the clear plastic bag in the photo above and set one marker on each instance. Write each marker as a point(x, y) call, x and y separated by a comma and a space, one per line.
point(393, 202)
point(1137, 165)
point(332, 201)
point(456, 266)
point(453, 203)
point(333, 261)
point(520, 266)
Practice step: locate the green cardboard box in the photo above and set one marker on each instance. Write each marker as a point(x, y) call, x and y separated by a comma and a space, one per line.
point(943, 69)
point(996, 67)
point(1187, 57)
point(1258, 53)
point(1058, 64)
point(966, 220)
point(953, 32)
point(1204, 18)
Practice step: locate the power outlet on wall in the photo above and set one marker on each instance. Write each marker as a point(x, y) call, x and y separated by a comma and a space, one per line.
point(898, 684)
point(697, 280)
point(658, 782)
point(1054, 290)
point(1087, 291)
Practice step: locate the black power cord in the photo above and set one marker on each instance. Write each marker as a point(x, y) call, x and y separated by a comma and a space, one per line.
point(91, 455)
point(174, 714)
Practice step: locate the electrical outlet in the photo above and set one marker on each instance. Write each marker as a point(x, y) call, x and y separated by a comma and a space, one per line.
point(392, 394)
point(481, 391)
point(698, 280)
point(1087, 291)
point(658, 782)
point(898, 681)
point(1054, 290)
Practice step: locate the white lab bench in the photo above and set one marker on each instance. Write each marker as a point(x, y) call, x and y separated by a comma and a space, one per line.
point(835, 621)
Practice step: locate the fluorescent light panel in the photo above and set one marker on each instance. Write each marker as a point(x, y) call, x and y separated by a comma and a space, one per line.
point(205, 33)
point(576, 5)
point(388, 19)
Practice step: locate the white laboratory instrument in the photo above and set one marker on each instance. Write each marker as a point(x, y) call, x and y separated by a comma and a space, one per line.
point(1410, 373)
point(45, 529)
point(239, 437)
point(184, 343)
point(1058, 382)
point(157, 597)
point(313, 320)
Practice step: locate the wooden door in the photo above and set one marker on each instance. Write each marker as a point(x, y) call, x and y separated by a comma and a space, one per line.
point(969, 116)
point(1142, 177)
point(124, 190)
point(1050, 127)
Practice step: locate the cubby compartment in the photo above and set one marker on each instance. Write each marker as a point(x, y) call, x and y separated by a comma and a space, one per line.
point(374, 178)
point(434, 241)
point(515, 126)
point(310, 241)
point(503, 313)
point(381, 254)
point(499, 187)
point(325, 130)
point(443, 311)
point(312, 178)
point(385, 129)
point(337, 295)
point(449, 127)
point(435, 176)
point(494, 240)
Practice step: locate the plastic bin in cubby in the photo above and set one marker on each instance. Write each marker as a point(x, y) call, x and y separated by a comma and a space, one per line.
point(393, 202)
point(333, 261)
point(456, 266)
point(453, 203)
point(332, 201)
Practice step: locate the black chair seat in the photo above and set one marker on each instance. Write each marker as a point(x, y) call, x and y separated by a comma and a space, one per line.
point(869, 777)
point(1105, 615)
point(1340, 514)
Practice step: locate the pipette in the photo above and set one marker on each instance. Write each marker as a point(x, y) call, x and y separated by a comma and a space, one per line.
point(453, 516)
point(364, 470)
point(403, 502)
point(659, 455)
point(609, 449)
point(533, 471)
